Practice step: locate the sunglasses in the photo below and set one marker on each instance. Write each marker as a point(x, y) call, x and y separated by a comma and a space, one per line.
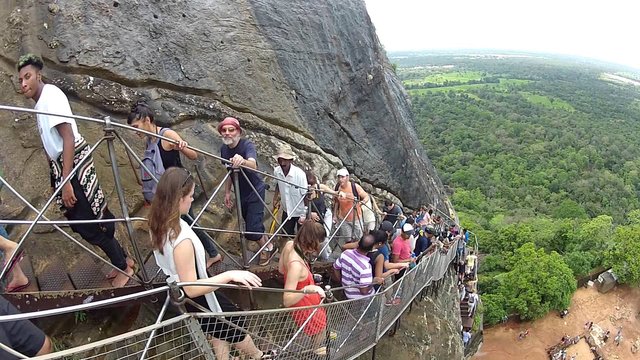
point(186, 178)
point(228, 130)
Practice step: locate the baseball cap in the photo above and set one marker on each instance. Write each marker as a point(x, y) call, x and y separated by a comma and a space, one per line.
point(407, 228)
point(343, 172)
point(386, 226)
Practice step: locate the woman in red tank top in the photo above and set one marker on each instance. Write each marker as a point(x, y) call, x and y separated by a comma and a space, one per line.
point(298, 276)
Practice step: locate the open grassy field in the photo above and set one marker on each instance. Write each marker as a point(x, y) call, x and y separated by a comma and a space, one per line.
point(444, 77)
point(548, 102)
point(504, 85)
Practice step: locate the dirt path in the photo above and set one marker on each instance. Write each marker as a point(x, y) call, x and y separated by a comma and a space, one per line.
point(619, 307)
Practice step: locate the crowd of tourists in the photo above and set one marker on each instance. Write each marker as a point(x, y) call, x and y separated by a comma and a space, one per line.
point(369, 246)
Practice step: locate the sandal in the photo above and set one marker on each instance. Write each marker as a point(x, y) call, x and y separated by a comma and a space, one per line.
point(266, 256)
point(321, 351)
point(16, 259)
point(393, 302)
point(18, 288)
point(269, 355)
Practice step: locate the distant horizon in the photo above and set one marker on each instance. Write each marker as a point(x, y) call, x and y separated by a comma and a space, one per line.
point(515, 52)
point(597, 31)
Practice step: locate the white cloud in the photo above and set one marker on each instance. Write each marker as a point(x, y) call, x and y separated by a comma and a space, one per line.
point(605, 30)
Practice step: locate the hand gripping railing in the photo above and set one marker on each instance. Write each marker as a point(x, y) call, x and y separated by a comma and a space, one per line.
point(347, 322)
point(109, 137)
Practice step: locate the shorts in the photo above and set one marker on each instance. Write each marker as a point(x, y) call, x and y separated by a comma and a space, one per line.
point(20, 335)
point(218, 328)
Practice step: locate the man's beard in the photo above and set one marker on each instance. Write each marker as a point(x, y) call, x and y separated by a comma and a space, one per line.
point(229, 140)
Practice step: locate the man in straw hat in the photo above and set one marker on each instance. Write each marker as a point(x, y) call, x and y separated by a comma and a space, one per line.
point(239, 152)
point(292, 188)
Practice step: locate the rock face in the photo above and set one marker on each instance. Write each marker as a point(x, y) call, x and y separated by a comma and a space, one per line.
point(311, 74)
point(430, 331)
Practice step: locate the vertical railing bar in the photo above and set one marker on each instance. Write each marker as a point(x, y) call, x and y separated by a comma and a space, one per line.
point(153, 332)
point(243, 241)
point(64, 233)
point(46, 206)
point(108, 129)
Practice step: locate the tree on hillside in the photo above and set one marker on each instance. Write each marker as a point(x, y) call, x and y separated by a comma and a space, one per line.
point(537, 283)
point(623, 255)
point(633, 217)
point(595, 233)
point(569, 209)
point(494, 308)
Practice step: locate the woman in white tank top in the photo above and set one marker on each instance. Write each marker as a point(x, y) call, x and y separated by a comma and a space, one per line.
point(182, 258)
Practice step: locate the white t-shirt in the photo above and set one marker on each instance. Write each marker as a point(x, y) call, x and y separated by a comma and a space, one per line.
point(53, 100)
point(290, 194)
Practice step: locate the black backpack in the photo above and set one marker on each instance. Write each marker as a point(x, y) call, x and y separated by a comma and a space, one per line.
point(353, 189)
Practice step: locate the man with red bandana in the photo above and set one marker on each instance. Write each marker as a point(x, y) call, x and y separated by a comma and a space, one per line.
point(241, 152)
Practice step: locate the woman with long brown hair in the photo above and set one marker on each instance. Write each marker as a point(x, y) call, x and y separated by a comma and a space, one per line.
point(297, 276)
point(182, 258)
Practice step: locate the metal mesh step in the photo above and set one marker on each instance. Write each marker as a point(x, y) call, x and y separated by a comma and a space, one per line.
point(88, 274)
point(55, 278)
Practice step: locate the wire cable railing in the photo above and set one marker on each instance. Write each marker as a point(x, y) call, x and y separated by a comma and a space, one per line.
point(352, 326)
point(349, 323)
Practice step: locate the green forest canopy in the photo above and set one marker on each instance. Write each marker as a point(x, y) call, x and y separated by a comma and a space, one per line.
point(540, 155)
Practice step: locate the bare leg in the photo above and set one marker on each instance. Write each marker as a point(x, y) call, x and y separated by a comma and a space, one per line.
point(18, 277)
point(121, 279)
point(247, 347)
point(213, 260)
point(318, 346)
point(46, 348)
point(267, 253)
point(221, 348)
point(113, 273)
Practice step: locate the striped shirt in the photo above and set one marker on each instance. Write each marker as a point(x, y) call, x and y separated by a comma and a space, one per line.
point(356, 270)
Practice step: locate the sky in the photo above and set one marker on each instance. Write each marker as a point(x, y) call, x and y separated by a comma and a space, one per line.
point(607, 30)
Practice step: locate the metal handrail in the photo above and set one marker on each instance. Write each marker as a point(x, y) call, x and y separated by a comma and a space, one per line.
point(110, 135)
point(166, 288)
point(109, 129)
point(421, 279)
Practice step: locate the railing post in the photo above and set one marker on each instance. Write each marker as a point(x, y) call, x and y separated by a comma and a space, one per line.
point(243, 240)
point(380, 294)
point(110, 136)
point(177, 297)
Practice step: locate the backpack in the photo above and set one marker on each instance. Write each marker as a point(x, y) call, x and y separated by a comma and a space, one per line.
point(353, 189)
point(153, 161)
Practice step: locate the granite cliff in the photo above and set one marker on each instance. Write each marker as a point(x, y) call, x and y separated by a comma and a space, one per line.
point(311, 74)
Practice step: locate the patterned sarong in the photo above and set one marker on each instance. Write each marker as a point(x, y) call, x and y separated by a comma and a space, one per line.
point(87, 178)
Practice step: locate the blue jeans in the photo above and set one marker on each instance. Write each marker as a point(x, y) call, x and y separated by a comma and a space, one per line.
point(3, 232)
